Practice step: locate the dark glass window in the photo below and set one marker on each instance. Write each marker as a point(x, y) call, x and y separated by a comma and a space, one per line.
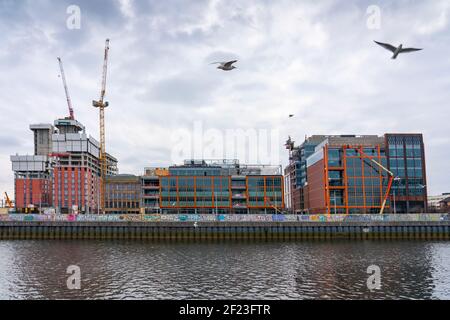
point(334, 157)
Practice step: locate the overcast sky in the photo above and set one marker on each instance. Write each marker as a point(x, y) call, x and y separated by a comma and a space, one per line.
point(314, 59)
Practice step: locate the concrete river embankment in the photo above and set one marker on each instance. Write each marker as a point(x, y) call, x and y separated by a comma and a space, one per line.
point(186, 227)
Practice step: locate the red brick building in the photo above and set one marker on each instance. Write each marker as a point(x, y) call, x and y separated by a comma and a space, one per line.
point(64, 171)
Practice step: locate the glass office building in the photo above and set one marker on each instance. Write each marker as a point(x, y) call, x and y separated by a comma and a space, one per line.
point(225, 186)
point(123, 194)
point(350, 174)
point(355, 183)
point(406, 156)
point(296, 173)
point(347, 179)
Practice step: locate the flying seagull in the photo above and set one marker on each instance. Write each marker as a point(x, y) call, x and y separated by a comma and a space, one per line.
point(396, 50)
point(226, 66)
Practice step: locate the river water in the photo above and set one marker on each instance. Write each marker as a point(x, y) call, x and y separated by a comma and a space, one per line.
point(225, 270)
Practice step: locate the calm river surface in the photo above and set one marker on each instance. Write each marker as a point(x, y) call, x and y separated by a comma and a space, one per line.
point(230, 270)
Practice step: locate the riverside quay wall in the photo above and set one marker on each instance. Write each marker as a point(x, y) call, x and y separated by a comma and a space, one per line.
point(225, 227)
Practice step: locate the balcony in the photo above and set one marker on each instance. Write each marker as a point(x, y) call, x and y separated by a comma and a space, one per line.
point(150, 187)
point(150, 196)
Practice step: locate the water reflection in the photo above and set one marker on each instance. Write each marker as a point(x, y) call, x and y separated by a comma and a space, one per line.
point(230, 270)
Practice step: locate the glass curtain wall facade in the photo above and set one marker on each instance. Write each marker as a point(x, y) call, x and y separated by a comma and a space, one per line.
point(351, 174)
point(123, 194)
point(265, 191)
point(184, 192)
point(407, 162)
point(354, 183)
point(221, 194)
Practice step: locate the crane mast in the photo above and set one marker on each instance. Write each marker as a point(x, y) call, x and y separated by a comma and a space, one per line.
point(8, 201)
point(101, 105)
point(69, 102)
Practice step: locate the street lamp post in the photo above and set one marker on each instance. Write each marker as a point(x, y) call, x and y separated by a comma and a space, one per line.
point(276, 205)
point(40, 201)
point(173, 205)
point(422, 186)
point(334, 200)
point(334, 196)
point(98, 200)
point(217, 209)
point(395, 208)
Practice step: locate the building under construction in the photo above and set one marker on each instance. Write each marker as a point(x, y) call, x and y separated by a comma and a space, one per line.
point(64, 171)
point(68, 169)
point(357, 174)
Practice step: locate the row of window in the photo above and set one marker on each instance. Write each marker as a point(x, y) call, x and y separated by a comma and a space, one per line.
point(410, 162)
point(194, 172)
point(124, 187)
point(410, 172)
point(122, 204)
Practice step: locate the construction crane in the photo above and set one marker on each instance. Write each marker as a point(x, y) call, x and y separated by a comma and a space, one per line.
point(69, 102)
point(289, 144)
point(9, 203)
point(390, 181)
point(273, 206)
point(101, 105)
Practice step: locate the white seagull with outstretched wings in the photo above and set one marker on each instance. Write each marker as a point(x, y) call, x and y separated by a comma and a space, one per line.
point(396, 50)
point(226, 65)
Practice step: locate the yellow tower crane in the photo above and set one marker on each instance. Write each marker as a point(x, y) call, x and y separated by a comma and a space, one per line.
point(9, 203)
point(101, 105)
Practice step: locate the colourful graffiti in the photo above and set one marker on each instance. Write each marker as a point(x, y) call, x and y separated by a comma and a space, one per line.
point(223, 217)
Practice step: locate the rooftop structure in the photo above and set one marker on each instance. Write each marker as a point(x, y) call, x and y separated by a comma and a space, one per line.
point(223, 167)
point(42, 138)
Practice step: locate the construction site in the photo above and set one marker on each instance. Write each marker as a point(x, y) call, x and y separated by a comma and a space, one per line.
point(70, 172)
point(68, 168)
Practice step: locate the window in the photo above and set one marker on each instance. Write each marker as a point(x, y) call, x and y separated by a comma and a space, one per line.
point(392, 151)
point(334, 157)
point(336, 197)
point(335, 178)
point(417, 152)
point(410, 162)
point(371, 152)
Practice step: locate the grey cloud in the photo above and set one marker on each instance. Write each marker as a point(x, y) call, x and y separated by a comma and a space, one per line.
point(314, 59)
point(185, 90)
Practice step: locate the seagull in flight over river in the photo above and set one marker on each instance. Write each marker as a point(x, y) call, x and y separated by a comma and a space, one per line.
point(226, 65)
point(396, 50)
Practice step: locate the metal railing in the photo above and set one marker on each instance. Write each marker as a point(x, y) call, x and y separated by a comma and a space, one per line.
point(227, 217)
